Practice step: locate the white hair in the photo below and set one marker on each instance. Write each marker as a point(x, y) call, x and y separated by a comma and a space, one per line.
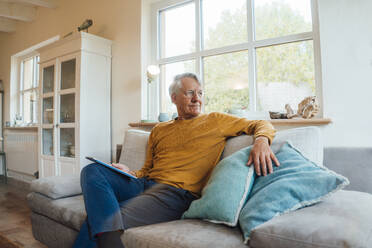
point(176, 84)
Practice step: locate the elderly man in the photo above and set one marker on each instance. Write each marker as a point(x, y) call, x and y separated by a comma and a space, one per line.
point(181, 155)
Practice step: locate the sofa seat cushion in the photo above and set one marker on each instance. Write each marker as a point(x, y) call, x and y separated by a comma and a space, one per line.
point(185, 234)
point(342, 220)
point(66, 211)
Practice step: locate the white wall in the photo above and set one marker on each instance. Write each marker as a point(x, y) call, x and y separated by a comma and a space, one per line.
point(346, 47)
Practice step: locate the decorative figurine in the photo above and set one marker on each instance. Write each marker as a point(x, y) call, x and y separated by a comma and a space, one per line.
point(85, 25)
point(307, 108)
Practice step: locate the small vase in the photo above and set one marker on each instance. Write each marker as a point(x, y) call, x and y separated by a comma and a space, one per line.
point(71, 149)
point(163, 117)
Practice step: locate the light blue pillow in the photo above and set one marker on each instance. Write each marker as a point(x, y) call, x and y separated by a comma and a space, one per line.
point(296, 183)
point(226, 191)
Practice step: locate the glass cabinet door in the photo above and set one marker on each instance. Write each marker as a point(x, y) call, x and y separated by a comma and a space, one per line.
point(68, 69)
point(48, 79)
point(66, 110)
point(47, 138)
point(67, 142)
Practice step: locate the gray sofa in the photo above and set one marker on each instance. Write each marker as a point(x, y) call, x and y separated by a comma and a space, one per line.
point(58, 208)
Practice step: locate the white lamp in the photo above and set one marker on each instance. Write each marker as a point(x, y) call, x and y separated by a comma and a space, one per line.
point(152, 72)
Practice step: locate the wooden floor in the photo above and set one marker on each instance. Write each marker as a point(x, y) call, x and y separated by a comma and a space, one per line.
point(15, 221)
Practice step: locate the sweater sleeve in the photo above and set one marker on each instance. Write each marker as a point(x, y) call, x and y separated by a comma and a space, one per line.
point(143, 172)
point(233, 126)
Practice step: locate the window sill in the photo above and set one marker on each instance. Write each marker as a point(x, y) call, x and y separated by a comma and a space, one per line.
point(21, 128)
point(275, 122)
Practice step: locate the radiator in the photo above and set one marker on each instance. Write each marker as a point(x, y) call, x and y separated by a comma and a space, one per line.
point(21, 151)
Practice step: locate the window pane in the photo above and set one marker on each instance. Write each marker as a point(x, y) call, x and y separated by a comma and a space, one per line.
point(28, 69)
point(168, 72)
point(226, 83)
point(285, 74)
point(275, 18)
point(224, 22)
point(29, 106)
point(177, 30)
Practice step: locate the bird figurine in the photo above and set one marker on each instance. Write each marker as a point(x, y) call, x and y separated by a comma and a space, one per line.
point(85, 25)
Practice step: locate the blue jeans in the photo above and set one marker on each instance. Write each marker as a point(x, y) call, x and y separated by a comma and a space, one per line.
point(116, 202)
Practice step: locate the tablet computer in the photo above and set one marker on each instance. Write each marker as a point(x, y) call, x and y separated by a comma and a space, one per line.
point(111, 167)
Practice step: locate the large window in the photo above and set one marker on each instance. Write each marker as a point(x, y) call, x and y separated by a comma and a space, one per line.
point(28, 90)
point(250, 55)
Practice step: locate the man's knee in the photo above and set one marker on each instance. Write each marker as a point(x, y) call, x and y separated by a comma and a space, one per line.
point(89, 171)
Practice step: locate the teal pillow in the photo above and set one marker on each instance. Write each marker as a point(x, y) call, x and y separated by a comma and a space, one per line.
point(296, 183)
point(226, 191)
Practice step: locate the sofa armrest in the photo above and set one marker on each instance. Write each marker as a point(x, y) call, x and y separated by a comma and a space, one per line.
point(57, 187)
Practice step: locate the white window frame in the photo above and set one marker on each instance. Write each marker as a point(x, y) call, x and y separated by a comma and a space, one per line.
point(35, 83)
point(16, 106)
point(251, 45)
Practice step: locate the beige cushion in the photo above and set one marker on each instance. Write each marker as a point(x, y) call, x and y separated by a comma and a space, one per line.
point(57, 186)
point(133, 153)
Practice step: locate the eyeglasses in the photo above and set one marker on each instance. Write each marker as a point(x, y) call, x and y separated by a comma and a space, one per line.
point(192, 93)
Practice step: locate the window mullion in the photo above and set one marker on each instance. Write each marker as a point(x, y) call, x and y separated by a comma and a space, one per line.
point(198, 26)
point(317, 55)
point(198, 38)
point(251, 57)
point(199, 42)
point(20, 96)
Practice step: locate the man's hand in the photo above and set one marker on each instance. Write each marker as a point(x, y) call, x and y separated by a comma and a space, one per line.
point(261, 156)
point(124, 168)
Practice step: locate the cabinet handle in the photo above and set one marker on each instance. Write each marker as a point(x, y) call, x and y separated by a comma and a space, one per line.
point(57, 125)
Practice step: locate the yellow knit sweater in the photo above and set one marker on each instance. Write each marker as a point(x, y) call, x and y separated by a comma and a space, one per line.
point(183, 153)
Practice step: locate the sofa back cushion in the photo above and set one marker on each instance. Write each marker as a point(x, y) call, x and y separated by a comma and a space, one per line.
point(306, 139)
point(133, 153)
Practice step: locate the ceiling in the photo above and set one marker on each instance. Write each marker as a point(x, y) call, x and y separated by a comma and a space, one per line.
point(13, 11)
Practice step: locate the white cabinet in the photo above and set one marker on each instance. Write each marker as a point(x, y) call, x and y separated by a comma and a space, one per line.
point(75, 85)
